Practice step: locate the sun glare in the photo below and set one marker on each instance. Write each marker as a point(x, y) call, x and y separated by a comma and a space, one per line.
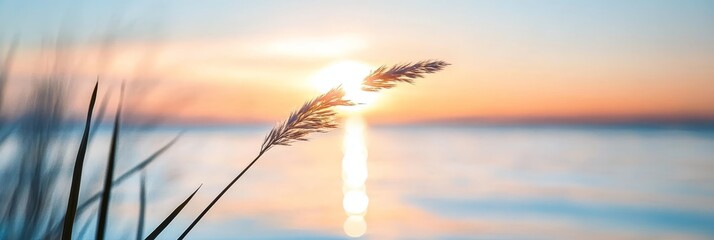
point(349, 74)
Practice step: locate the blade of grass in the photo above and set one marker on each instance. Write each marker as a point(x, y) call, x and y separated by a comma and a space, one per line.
point(171, 217)
point(71, 210)
point(142, 206)
point(130, 172)
point(109, 175)
point(146, 162)
point(213, 202)
point(143, 164)
point(100, 114)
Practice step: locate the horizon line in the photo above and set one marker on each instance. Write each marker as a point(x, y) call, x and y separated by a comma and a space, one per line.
point(468, 121)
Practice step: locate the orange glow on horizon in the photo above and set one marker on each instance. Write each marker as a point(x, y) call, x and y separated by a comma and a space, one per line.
point(225, 81)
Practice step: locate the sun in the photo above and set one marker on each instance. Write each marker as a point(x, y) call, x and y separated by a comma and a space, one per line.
point(349, 74)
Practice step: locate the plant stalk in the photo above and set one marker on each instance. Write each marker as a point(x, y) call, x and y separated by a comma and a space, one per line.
point(195, 221)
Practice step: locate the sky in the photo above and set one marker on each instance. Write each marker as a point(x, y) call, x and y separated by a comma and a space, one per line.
point(254, 61)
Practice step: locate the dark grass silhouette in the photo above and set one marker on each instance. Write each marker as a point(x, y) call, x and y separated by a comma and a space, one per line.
point(71, 210)
point(142, 207)
point(109, 175)
point(34, 202)
point(84, 206)
point(171, 217)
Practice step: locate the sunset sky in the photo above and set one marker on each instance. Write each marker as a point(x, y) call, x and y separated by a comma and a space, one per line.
point(254, 61)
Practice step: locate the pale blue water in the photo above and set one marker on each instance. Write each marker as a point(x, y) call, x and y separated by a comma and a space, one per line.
point(437, 182)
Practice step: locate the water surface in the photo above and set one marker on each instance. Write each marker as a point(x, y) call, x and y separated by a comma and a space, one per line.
point(435, 182)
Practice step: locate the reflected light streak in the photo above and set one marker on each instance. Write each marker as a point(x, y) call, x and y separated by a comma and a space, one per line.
point(354, 176)
point(349, 75)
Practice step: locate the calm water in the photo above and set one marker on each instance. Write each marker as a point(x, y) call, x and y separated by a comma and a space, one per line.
point(432, 182)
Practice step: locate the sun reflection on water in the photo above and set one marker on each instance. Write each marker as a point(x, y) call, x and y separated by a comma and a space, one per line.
point(354, 176)
point(349, 75)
